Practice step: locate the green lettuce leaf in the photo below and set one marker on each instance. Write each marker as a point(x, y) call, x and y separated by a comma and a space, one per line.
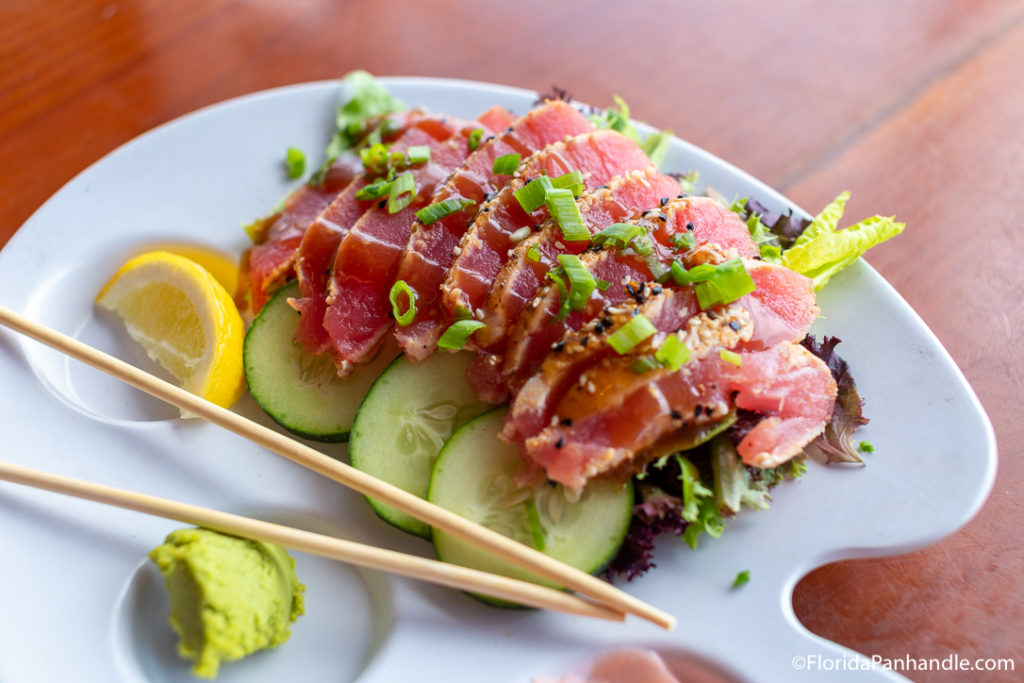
point(655, 144)
point(822, 250)
point(369, 99)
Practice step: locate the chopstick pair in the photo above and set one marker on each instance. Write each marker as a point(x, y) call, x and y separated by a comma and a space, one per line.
point(612, 599)
point(415, 567)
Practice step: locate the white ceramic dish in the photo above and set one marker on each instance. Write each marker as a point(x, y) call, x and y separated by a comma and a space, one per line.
point(80, 601)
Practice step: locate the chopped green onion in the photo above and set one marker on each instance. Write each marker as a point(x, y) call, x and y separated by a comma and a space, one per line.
point(429, 215)
point(602, 284)
point(520, 234)
point(731, 357)
point(294, 162)
point(533, 254)
point(418, 154)
point(741, 578)
point(531, 195)
point(644, 364)
point(456, 336)
point(624, 339)
point(375, 159)
point(572, 181)
point(581, 282)
point(644, 245)
point(397, 290)
point(563, 292)
point(378, 188)
point(463, 313)
point(681, 241)
point(403, 191)
point(562, 206)
point(866, 447)
point(673, 352)
point(397, 160)
point(474, 139)
point(715, 285)
point(623, 233)
point(533, 521)
point(506, 164)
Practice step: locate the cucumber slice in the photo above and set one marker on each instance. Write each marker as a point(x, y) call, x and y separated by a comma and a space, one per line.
point(404, 420)
point(302, 393)
point(475, 477)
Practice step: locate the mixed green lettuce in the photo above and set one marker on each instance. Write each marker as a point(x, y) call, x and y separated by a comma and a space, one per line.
point(822, 250)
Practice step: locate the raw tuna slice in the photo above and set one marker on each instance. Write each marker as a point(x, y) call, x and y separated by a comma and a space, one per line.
point(272, 260)
point(359, 313)
point(535, 331)
point(599, 155)
point(320, 241)
point(616, 417)
point(430, 252)
point(521, 276)
point(782, 308)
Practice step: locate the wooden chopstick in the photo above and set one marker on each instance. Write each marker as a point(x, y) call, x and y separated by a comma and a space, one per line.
point(434, 571)
point(297, 452)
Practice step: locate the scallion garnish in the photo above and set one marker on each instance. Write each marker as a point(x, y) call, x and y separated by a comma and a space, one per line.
point(456, 336)
point(741, 579)
point(418, 154)
point(294, 162)
point(429, 215)
point(533, 254)
point(474, 139)
point(581, 282)
point(531, 195)
point(644, 364)
point(715, 285)
point(519, 235)
point(572, 181)
point(602, 284)
point(378, 188)
point(621, 233)
point(624, 339)
point(506, 164)
point(731, 357)
point(399, 289)
point(681, 241)
point(563, 291)
point(562, 205)
point(673, 352)
point(866, 446)
point(375, 159)
point(403, 190)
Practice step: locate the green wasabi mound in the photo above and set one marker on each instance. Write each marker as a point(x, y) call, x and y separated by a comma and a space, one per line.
point(230, 596)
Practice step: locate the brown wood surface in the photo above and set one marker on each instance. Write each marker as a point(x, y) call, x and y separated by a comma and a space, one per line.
point(914, 105)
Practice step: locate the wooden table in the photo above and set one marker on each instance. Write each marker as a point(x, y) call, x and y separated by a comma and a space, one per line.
point(913, 105)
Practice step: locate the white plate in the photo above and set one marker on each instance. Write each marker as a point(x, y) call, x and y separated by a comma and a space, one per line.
point(80, 601)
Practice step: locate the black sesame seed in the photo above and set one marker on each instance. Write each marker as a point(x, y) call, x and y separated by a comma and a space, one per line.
point(689, 226)
point(735, 325)
point(557, 347)
point(664, 201)
point(382, 204)
point(663, 218)
point(676, 415)
point(584, 340)
point(567, 422)
point(656, 289)
point(696, 411)
point(560, 442)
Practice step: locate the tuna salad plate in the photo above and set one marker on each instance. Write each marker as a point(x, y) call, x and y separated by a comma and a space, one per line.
point(560, 323)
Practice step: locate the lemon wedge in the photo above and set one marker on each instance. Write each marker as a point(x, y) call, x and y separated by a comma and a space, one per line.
point(185, 320)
